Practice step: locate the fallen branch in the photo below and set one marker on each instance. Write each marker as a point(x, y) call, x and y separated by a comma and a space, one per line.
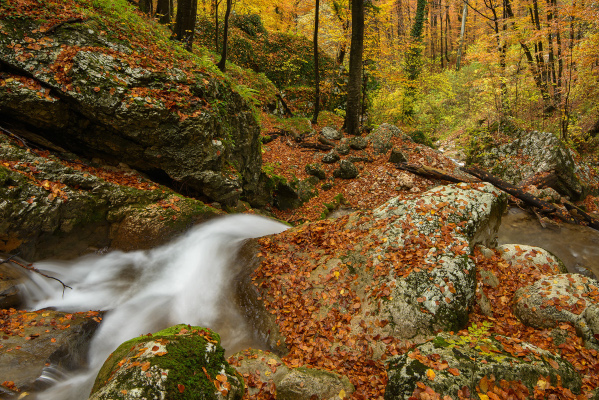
point(543, 206)
point(428, 172)
point(58, 25)
point(29, 267)
point(315, 146)
point(286, 109)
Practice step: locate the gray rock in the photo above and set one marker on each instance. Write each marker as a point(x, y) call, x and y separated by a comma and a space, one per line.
point(259, 366)
point(74, 211)
point(315, 170)
point(358, 143)
point(397, 156)
point(103, 112)
point(56, 340)
point(343, 149)
point(346, 170)
point(331, 133)
point(10, 278)
point(543, 152)
point(380, 138)
point(464, 360)
point(532, 258)
point(331, 157)
point(154, 367)
point(307, 383)
point(561, 298)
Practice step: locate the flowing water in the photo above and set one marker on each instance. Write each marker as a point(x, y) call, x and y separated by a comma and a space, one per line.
point(577, 246)
point(187, 281)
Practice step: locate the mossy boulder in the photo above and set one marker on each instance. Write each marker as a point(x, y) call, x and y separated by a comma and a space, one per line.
point(95, 89)
point(54, 208)
point(180, 362)
point(477, 362)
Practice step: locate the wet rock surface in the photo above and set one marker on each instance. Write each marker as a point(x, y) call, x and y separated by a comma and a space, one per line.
point(31, 341)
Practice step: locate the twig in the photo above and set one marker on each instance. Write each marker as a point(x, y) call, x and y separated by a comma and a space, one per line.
point(20, 139)
point(33, 269)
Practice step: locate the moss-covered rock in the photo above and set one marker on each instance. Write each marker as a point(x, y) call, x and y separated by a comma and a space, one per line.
point(478, 362)
point(53, 208)
point(180, 362)
point(95, 89)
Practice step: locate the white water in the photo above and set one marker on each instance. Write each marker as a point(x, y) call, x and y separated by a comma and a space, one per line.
point(187, 281)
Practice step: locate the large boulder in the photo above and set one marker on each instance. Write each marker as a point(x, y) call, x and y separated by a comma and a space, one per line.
point(343, 292)
point(380, 138)
point(33, 341)
point(52, 208)
point(476, 362)
point(180, 362)
point(569, 298)
point(265, 372)
point(532, 154)
point(99, 92)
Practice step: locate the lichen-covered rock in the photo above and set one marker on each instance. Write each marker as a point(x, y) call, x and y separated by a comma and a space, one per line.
point(50, 208)
point(561, 298)
point(357, 142)
point(343, 149)
point(346, 170)
point(532, 258)
point(307, 383)
point(84, 88)
point(479, 362)
point(331, 157)
point(397, 156)
point(532, 153)
point(259, 369)
point(34, 340)
point(380, 138)
point(331, 133)
point(180, 362)
point(315, 170)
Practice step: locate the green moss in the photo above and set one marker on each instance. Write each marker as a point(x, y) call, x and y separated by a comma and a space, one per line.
point(185, 361)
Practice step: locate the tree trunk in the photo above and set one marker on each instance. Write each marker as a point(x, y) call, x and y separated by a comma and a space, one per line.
point(223, 58)
point(164, 11)
point(216, 3)
point(146, 6)
point(462, 31)
point(354, 84)
point(185, 22)
point(316, 71)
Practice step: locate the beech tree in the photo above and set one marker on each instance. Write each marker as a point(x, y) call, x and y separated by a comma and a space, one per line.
point(223, 58)
point(164, 11)
point(185, 22)
point(316, 72)
point(354, 84)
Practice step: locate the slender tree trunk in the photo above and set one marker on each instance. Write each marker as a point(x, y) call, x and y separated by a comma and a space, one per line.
point(216, 3)
point(185, 22)
point(223, 58)
point(146, 6)
point(462, 31)
point(316, 70)
point(354, 84)
point(164, 11)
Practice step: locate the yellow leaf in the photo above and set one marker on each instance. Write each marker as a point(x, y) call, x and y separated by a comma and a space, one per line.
point(430, 374)
point(342, 394)
point(336, 273)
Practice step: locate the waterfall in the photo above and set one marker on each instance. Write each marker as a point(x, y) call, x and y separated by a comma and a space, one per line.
point(187, 281)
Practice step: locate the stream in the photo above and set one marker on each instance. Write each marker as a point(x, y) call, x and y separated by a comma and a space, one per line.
point(577, 246)
point(187, 281)
point(190, 280)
